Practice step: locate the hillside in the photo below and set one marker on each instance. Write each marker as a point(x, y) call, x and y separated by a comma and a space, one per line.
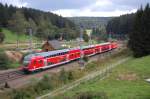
point(126, 82)
point(11, 37)
point(43, 24)
point(90, 22)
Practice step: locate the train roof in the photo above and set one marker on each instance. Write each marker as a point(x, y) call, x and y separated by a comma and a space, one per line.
point(89, 46)
point(49, 53)
point(103, 43)
point(45, 54)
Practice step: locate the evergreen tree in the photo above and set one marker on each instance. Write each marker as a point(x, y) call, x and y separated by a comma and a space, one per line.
point(85, 37)
point(139, 38)
point(18, 24)
point(44, 24)
point(2, 36)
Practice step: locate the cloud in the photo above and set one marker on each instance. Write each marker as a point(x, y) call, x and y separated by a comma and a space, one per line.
point(104, 8)
point(17, 3)
point(123, 5)
point(82, 7)
point(88, 12)
point(59, 4)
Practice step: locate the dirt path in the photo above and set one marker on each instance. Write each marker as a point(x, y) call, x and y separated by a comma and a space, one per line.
point(102, 73)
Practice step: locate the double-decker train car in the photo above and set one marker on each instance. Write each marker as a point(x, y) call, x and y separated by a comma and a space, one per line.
point(43, 60)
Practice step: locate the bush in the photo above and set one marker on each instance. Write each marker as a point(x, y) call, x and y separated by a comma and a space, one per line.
point(43, 85)
point(63, 76)
point(21, 95)
point(92, 95)
point(2, 36)
point(88, 95)
point(70, 75)
point(86, 58)
point(4, 61)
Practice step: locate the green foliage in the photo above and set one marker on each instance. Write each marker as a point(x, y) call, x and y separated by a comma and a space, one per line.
point(116, 88)
point(21, 95)
point(85, 37)
point(92, 95)
point(70, 75)
point(11, 37)
point(119, 27)
point(18, 23)
point(2, 36)
point(88, 95)
point(43, 24)
point(99, 34)
point(29, 93)
point(43, 85)
point(4, 61)
point(139, 40)
point(65, 76)
point(90, 22)
point(86, 58)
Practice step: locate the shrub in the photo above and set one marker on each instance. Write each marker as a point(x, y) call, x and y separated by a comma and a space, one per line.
point(63, 76)
point(86, 58)
point(20, 95)
point(4, 61)
point(88, 95)
point(70, 75)
point(92, 95)
point(43, 85)
point(2, 36)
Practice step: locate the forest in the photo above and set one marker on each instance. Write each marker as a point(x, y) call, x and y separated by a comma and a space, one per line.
point(134, 27)
point(43, 24)
point(120, 27)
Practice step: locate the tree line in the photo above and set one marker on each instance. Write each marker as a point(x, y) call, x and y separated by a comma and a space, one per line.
point(139, 38)
point(137, 28)
point(119, 27)
point(43, 24)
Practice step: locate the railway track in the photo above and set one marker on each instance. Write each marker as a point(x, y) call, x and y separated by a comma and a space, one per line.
point(9, 76)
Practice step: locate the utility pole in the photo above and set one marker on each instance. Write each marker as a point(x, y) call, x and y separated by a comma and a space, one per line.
point(29, 30)
point(81, 62)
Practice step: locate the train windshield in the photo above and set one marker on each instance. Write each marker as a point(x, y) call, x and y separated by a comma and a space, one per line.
point(27, 59)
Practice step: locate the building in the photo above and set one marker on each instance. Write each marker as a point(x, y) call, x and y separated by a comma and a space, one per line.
point(51, 45)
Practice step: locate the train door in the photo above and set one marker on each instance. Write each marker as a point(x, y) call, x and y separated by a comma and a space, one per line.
point(45, 62)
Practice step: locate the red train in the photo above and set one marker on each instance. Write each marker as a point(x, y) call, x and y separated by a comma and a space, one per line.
point(49, 59)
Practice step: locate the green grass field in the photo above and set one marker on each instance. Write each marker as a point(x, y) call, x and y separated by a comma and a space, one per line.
point(127, 81)
point(11, 37)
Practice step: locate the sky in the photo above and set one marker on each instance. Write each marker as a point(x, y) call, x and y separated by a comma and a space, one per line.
point(91, 8)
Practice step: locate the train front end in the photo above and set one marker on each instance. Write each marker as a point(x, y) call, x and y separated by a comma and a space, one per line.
point(32, 62)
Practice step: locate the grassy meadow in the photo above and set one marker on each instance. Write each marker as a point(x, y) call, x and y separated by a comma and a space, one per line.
point(11, 37)
point(127, 81)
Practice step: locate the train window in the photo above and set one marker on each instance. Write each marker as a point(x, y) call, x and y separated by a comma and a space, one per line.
point(40, 61)
point(50, 63)
point(34, 62)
